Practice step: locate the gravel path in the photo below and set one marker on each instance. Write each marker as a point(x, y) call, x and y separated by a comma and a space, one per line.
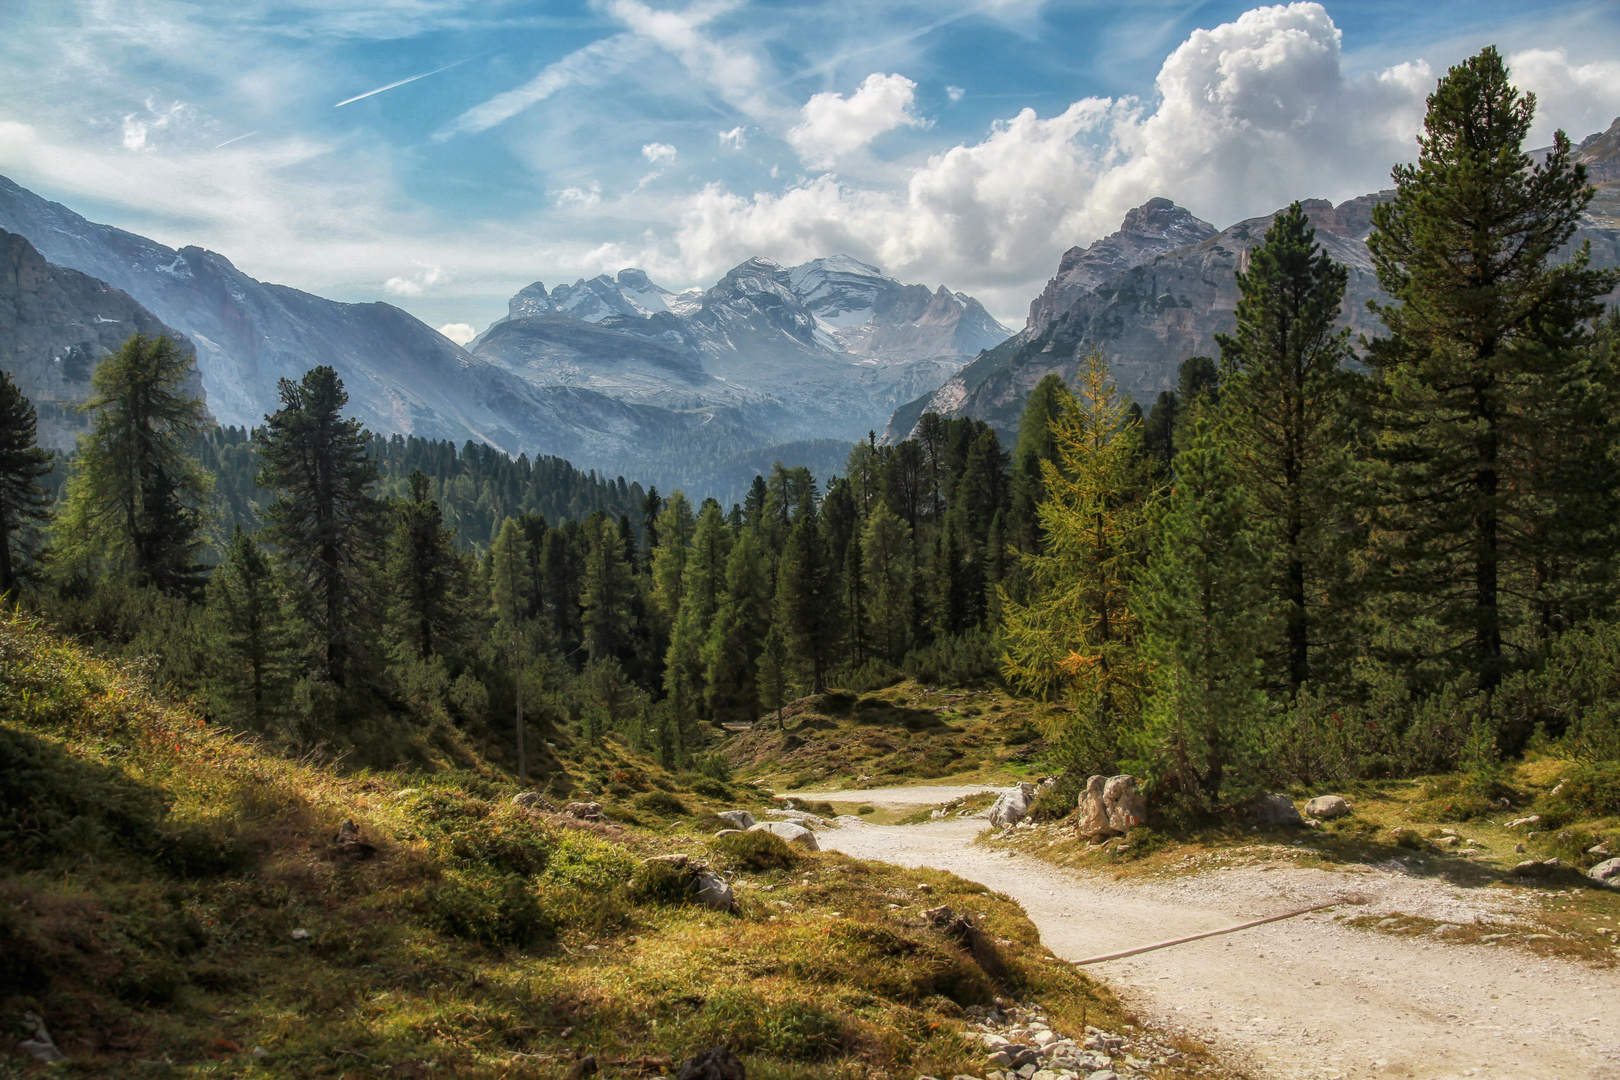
point(1305, 997)
point(922, 795)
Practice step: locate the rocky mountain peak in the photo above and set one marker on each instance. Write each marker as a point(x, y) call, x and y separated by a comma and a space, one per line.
point(1155, 227)
point(530, 300)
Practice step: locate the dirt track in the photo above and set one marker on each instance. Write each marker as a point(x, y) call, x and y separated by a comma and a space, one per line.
point(1305, 997)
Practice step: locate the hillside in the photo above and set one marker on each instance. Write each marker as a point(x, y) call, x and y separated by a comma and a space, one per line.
point(180, 895)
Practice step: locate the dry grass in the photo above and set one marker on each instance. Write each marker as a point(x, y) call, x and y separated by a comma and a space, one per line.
point(905, 733)
point(157, 935)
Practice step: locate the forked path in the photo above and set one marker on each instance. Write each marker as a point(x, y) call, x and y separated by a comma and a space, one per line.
point(1305, 997)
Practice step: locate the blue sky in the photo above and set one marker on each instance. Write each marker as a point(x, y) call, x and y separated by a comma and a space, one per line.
point(966, 143)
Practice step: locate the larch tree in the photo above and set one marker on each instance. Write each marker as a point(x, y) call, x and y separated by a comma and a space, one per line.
point(23, 499)
point(137, 500)
point(1078, 633)
point(1284, 391)
point(1480, 324)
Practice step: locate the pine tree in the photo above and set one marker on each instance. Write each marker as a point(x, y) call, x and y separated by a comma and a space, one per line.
point(701, 594)
point(428, 578)
point(731, 654)
point(1284, 392)
point(511, 596)
point(1049, 400)
point(890, 565)
point(1079, 631)
point(774, 665)
point(253, 641)
point(325, 523)
point(1480, 324)
point(136, 501)
point(806, 599)
point(23, 500)
point(675, 526)
point(605, 592)
point(1206, 620)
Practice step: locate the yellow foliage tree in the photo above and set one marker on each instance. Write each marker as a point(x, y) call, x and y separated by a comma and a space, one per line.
point(1078, 634)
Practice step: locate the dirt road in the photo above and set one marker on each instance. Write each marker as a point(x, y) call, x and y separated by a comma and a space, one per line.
point(921, 795)
point(1305, 997)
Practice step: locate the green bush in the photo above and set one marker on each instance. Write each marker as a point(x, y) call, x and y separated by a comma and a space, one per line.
point(716, 766)
point(660, 881)
point(1057, 801)
point(754, 851)
point(584, 862)
point(956, 660)
point(1574, 695)
point(1022, 736)
point(865, 810)
point(501, 910)
point(1588, 791)
point(661, 803)
point(714, 789)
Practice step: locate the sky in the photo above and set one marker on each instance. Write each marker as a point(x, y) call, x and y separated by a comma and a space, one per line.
point(441, 154)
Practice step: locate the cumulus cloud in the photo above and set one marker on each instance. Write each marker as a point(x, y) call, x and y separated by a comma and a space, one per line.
point(658, 153)
point(736, 138)
point(832, 126)
point(587, 196)
point(459, 332)
point(955, 93)
point(1580, 98)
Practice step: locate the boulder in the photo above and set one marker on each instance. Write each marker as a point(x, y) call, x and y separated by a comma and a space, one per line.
point(1533, 819)
point(584, 811)
point(347, 844)
point(1327, 807)
point(740, 818)
point(1110, 806)
point(715, 1063)
point(1275, 809)
point(533, 800)
point(1011, 807)
point(1606, 873)
point(728, 832)
point(793, 834)
point(713, 892)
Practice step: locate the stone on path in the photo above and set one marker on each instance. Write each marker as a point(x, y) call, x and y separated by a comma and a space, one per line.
point(1011, 807)
point(1327, 807)
point(1110, 806)
point(1606, 873)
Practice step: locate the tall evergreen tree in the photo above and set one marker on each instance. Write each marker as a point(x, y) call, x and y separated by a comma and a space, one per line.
point(1284, 392)
point(511, 595)
point(136, 503)
point(1079, 631)
point(806, 598)
point(23, 499)
point(1036, 444)
point(890, 565)
point(253, 652)
point(1206, 620)
point(1480, 322)
point(731, 654)
point(429, 580)
point(325, 523)
point(701, 595)
point(606, 589)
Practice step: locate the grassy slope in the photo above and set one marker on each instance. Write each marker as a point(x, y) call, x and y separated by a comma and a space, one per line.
point(156, 870)
point(1407, 821)
point(904, 733)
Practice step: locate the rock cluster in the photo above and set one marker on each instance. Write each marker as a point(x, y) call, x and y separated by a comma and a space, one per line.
point(584, 811)
point(740, 819)
point(1110, 806)
point(1021, 1045)
point(348, 845)
point(533, 800)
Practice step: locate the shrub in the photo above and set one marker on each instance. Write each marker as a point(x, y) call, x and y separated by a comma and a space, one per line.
point(53, 804)
point(956, 660)
point(500, 910)
point(1589, 790)
point(1057, 800)
point(661, 881)
point(1022, 736)
point(754, 851)
point(714, 789)
point(715, 765)
point(504, 842)
point(661, 803)
point(580, 861)
point(865, 810)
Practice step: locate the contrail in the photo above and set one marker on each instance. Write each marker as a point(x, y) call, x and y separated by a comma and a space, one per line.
point(402, 82)
point(239, 138)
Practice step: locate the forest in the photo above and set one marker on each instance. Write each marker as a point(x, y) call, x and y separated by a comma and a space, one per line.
point(1319, 559)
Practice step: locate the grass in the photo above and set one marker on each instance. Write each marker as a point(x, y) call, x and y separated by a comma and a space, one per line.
point(174, 902)
point(905, 733)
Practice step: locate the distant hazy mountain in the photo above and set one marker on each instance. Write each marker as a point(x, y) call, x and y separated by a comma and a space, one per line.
point(824, 349)
point(401, 375)
point(56, 325)
point(1149, 303)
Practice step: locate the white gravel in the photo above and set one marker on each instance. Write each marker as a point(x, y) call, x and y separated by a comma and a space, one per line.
point(923, 795)
point(1306, 997)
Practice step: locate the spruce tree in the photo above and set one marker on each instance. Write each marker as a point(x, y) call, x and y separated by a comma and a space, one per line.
point(511, 595)
point(324, 522)
point(1049, 400)
point(1480, 324)
point(136, 502)
point(1284, 390)
point(774, 668)
point(253, 654)
point(23, 500)
point(890, 566)
point(731, 654)
point(1206, 619)
point(806, 599)
point(701, 594)
point(428, 578)
point(606, 589)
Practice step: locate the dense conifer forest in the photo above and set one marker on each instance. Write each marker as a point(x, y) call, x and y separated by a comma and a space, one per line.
point(1320, 559)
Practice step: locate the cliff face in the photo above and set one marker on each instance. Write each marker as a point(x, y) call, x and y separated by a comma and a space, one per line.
point(1167, 307)
point(56, 325)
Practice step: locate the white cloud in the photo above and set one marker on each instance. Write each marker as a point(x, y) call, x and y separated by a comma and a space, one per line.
point(591, 64)
point(138, 127)
point(735, 74)
point(1580, 98)
point(658, 153)
point(459, 332)
point(415, 285)
point(736, 138)
point(576, 196)
point(832, 126)
point(955, 93)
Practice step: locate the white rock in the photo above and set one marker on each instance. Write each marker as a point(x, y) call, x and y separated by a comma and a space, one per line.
point(300, 934)
point(787, 830)
point(740, 818)
point(1011, 807)
point(1043, 1039)
point(1606, 872)
point(1533, 819)
point(1327, 807)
